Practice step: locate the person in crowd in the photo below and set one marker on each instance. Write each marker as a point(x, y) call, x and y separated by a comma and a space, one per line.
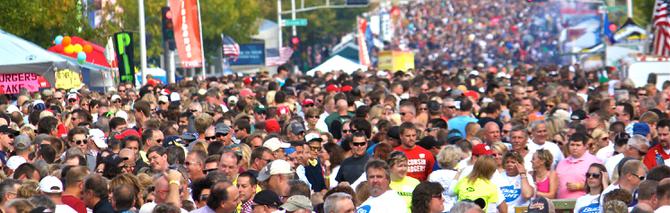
point(477, 184)
point(420, 161)
point(400, 182)
point(546, 180)
point(73, 188)
point(427, 198)
point(352, 168)
point(339, 202)
point(246, 183)
point(635, 148)
point(569, 170)
point(95, 194)
point(266, 201)
point(657, 154)
point(447, 159)
point(52, 187)
point(382, 197)
point(646, 197)
point(663, 195)
point(632, 172)
point(540, 141)
point(596, 182)
point(275, 177)
point(515, 182)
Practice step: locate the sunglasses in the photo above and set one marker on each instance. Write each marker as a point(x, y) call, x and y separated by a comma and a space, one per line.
point(345, 131)
point(358, 144)
point(79, 142)
point(451, 107)
point(117, 101)
point(122, 91)
point(309, 105)
point(639, 177)
point(203, 197)
point(208, 170)
point(161, 103)
point(423, 109)
point(312, 116)
point(159, 141)
point(592, 175)
point(210, 138)
point(402, 114)
point(193, 110)
point(315, 148)
point(72, 100)
point(221, 134)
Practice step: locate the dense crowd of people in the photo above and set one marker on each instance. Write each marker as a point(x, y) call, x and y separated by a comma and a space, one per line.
point(450, 34)
point(470, 139)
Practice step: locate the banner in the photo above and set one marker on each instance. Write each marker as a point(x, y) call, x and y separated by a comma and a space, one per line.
point(123, 46)
point(250, 54)
point(67, 79)
point(187, 32)
point(363, 55)
point(12, 83)
point(395, 61)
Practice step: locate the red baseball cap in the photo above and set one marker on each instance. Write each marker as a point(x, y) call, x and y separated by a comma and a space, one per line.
point(272, 126)
point(247, 92)
point(346, 88)
point(307, 101)
point(127, 132)
point(247, 80)
point(472, 94)
point(482, 149)
point(332, 88)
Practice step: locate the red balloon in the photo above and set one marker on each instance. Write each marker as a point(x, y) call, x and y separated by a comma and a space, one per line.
point(612, 27)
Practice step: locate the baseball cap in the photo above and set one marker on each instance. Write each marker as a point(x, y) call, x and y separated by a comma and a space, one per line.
point(274, 144)
point(22, 142)
point(164, 99)
point(434, 106)
point(98, 137)
point(267, 197)
point(394, 132)
point(297, 202)
point(12, 108)
point(9, 131)
point(175, 96)
point(428, 142)
point(272, 126)
point(282, 109)
point(296, 128)
point(127, 132)
point(639, 128)
point(578, 115)
point(346, 88)
point(72, 96)
point(276, 167)
point(15, 161)
point(481, 149)
point(540, 205)
point(232, 100)
point(51, 184)
point(247, 92)
point(332, 88)
point(260, 109)
point(307, 101)
point(313, 137)
point(115, 97)
point(222, 128)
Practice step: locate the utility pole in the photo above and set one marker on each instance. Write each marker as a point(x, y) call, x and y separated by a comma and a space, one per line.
point(295, 33)
point(279, 25)
point(143, 42)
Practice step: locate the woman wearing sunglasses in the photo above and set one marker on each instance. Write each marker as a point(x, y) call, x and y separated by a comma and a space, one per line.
point(596, 181)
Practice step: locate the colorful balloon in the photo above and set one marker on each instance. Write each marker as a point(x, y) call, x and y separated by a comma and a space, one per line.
point(81, 57)
point(58, 40)
point(69, 49)
point(88, 48)
point(66, 41)
point(78, 48)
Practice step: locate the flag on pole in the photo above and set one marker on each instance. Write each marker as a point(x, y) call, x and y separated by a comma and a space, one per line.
point(661, 43)
point(278, 57)
point(230, 47)
point(607, 31)
point(363, 55)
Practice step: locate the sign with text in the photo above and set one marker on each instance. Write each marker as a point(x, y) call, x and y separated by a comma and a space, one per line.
point(250, 54)
point(12, 83)
point(67, 79)
point(186, 27)
point(123, 46)
point(300, 22)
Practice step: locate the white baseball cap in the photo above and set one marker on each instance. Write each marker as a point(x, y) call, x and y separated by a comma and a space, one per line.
point(276, 167)
point(51, 184)
point(15, 161)
point(98, 137)
point(312, 136)
point(274, 144)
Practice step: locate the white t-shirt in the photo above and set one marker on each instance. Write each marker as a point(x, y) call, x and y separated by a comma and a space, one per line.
point(511, 190)
point(605, 152)
point(444, 177)
point(662, 209)
point(333, 174)
point(587, 204)
point(388, 202)
point(62, 208)
point(611, 163)
point(607, 190)
point(549, 146)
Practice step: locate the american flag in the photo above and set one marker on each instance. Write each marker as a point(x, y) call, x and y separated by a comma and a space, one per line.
point(661, 43)
point(230, 47)
point(275, 57)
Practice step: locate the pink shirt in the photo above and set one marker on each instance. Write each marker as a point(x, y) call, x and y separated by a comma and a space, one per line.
point(574, 171)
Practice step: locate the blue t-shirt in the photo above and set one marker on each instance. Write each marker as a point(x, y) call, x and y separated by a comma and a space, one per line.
point(459, 123)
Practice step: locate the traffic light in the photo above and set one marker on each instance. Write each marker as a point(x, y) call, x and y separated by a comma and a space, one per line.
point(295, 42)
point(167, 27)
point(357, 2)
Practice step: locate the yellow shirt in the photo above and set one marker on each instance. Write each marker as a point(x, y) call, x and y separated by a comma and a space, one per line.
point(405, 187)
point(480, 188)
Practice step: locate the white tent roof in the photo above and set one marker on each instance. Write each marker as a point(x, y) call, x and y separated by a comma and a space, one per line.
point(337, 63)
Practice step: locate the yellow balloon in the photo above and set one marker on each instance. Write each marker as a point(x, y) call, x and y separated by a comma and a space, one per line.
point(78, 48)
point(69, 49)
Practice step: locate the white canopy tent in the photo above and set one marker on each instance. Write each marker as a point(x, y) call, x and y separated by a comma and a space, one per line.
point(337, 63)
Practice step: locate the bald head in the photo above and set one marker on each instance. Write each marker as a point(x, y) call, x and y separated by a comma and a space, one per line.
point(492, 132)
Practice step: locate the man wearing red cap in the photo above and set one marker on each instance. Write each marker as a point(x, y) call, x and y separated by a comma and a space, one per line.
point(420, 161)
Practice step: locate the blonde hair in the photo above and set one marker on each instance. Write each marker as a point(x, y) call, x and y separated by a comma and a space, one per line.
point(499, 147)
point(484, 168)
point(449, 156)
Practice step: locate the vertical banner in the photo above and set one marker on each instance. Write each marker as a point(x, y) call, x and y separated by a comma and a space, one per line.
point(123, 46)
point(363, 54)
point(187, 32)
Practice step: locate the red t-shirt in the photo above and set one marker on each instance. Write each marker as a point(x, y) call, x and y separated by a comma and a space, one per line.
point(74, 202)
point(649, 160)
point(420, 162)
